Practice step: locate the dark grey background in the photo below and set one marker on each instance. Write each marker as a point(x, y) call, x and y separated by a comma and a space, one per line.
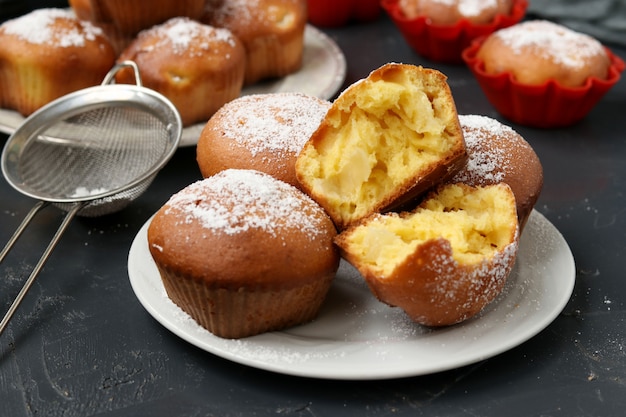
point(82, 345)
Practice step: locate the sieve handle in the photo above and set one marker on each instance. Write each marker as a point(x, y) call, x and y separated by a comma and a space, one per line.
point(21, 228)
point(44, 257)
point(110, 77)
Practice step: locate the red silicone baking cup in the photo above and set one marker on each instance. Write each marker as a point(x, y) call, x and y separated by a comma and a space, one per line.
point(545, 105)
point(445, 43)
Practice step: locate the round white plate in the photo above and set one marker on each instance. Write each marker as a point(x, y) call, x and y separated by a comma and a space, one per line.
point(322, 74)
point(356, 337)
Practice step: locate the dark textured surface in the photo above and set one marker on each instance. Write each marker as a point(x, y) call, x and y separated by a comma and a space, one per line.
point(82, 345)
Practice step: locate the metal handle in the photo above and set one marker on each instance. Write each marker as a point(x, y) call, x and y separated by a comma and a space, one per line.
point(110, 77)
point(44, 257)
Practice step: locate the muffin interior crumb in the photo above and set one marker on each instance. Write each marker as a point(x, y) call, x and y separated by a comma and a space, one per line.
point(476, 223)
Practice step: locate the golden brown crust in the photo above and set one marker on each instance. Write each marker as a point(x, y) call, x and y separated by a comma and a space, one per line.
point(422, 271)
point(384, 142)
point(450, 12)
point(262, 132)
point(198, 67)
point(272, 31)
point(497, 153)
point(228, 245)
point(537, 51)
point(49, 53)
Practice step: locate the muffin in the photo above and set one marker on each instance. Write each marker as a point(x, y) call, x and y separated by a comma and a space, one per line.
point(47, 54)
point(497, 153)
point(440, 30)
point(122, 20)
point(443, 262)
point(536, 51)
point(449, 12)
point(272, 32)
point(244, 253)
point(198, 67)
point(385, 141)
point(265, 132)
point(542, 74)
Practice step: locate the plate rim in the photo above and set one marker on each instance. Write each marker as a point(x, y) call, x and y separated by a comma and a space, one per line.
point(228, 349)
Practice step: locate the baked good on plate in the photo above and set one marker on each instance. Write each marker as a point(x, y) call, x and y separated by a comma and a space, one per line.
point(244, 253)
point(497, 153)
point(447, 12)
point(47, 54)
point(264, 132)
point(443, 262)
point(385, 140)
point(122, 20)
point(272, 32)
point(196, 66)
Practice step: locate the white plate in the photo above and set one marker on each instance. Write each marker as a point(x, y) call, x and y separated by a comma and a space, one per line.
point(356, 337)
point(322, 74)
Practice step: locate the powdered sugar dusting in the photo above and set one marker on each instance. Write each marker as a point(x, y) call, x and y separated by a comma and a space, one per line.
point(551, 41)
point(469, 8)
point(272, 122)
point(480, 285)
point(487, 162)
point(183, 35)
point(234, 201)
point(38, 27)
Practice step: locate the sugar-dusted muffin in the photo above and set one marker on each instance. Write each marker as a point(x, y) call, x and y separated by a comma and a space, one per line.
point(244, 253)
point(49, 53)
point(272, 32)
point(196, 66)
point(497, 153)
point(264, 132)
point(385, 140)
point(542, 74)
point(127, 18)
point(447, 12)
point(441, 29)
point(443, 262)
point(536, 51)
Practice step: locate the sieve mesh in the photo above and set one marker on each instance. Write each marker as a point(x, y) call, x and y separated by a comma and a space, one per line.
point(94, 152)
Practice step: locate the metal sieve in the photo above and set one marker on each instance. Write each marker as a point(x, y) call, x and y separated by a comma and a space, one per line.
point(89, 153)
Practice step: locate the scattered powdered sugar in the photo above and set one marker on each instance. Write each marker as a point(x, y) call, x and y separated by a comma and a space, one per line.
point(273, 122)
point(38, 27)
point(551, 41)
point(181, 34)
point(486, 163)
point(234, 201)
point(84, 191)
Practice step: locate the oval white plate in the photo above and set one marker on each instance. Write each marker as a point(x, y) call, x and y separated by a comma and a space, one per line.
point(356, 337)
point(322, 74)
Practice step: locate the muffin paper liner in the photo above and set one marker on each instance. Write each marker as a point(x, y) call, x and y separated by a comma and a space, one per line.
point(445, 43)
point(546, 105)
